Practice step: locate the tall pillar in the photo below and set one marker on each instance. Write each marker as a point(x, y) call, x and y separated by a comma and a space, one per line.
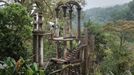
point(40, 50)
point(70, 27)
point(38, 39)
point(35, 40)
point(40, 42)
point(79, 22)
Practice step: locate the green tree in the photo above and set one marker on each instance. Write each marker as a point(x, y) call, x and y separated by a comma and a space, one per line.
point(100, 40)
point(119, 55)
point(100, 45)
point(131, 10)
point(15, 31)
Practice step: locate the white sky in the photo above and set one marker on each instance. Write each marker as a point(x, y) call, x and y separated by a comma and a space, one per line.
point(103, 3)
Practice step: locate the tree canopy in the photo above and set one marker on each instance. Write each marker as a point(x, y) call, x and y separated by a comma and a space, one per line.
point(15, 30)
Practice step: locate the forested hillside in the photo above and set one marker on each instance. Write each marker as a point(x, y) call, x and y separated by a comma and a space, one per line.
point(113, 30)
point(104, 15)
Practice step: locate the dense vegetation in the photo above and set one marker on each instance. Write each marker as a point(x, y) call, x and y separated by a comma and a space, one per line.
point(15, 31)
point(113, 29)
point(114, 50)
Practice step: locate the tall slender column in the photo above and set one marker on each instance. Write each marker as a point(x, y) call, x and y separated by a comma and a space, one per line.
point(79, 23)
point(35, 40)
point(40, 42)
point(70, 27)
point(40, 50)
point(38, 39)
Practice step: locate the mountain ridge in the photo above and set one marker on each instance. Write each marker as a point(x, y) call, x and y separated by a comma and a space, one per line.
point(103, 15)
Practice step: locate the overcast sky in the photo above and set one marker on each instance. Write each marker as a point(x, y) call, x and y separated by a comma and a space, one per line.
point(103, 3)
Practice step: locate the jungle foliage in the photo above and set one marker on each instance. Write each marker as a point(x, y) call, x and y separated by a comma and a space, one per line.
point(10, 67)
point(114, 40)
point(114, 45)
point(113, 49)
point(15, 31)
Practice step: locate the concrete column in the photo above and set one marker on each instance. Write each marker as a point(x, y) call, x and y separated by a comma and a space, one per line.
point(35, 40)
point(38, 39)
point(41, 50)
point(79, 22)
